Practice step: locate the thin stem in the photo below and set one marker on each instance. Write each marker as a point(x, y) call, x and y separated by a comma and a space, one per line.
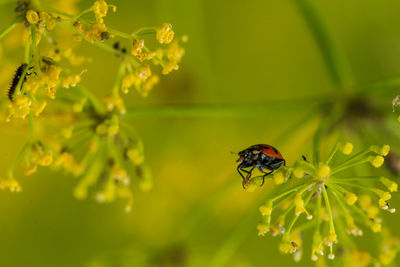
point(328, 207)
point(302, 187)
point(6, 30)
point(16, 161)
point(332, 154)
point(346, 166)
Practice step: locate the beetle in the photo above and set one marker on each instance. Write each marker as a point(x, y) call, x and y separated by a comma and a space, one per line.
point(265, 158)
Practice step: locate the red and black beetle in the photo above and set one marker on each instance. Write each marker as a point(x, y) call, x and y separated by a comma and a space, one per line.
point(263, 157)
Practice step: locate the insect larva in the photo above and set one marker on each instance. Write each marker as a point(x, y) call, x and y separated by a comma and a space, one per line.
point(15, 80)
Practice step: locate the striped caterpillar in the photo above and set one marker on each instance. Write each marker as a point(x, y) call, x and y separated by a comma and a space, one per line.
point(17, 77)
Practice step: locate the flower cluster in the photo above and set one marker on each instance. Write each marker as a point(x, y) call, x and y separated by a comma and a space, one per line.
point(332, 203)
point(95, 143)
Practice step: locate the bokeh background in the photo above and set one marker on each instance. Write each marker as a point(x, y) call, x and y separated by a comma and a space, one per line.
point(239, 53)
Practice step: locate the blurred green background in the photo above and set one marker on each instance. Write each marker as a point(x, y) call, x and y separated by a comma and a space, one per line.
point(239, 52)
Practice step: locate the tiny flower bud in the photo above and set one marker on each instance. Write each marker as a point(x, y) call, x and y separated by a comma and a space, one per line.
point(279, 178)
point(376, 161)
point(347, 148)
point(323, 170)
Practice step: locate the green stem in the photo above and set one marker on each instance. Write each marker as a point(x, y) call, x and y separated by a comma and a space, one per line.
point(6, 30)
point(328, 207)
point(346, 166)
point(16, 161)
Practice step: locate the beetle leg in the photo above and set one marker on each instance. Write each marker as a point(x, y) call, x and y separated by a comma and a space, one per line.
point(265, 174)
point(239, 169)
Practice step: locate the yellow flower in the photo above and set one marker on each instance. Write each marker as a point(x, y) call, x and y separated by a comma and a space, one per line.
point(79, 26)
point(391, 186)
point(32, 17)
point(174, 55)
point(143, 72)
point(100, 9)
point(71, 81)
point(298, 172)
point(165, 34)
point(149, 84)
point(279, 178)
point(376, 161)
point(112, 101)
point(135, 155)
point(127, 82)
point(19, 108)
point(96, 32)
point(262, 229)
point(300, 208)
point(11, 184)
point(347, 148)
point(67, 161)
point(47, 20)
point(323, 171)
point(266, 210)
point(137, 49)
point(351, 198)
